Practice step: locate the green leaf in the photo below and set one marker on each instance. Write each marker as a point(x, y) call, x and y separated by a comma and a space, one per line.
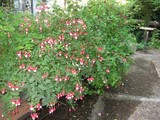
point(42, 87)
point(29, 46)
point(19, 48)
point(31, 80)
point(47, 81)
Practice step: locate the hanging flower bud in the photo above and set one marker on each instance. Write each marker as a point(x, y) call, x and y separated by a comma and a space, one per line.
point(70, 95)
point(3, 91)
point(32, 108)
point(34, 116)
point(107, 70)
point(90, 79)
point(40, 28)
point(39, 106)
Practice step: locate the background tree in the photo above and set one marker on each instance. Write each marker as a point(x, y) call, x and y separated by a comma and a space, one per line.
point(147, 10)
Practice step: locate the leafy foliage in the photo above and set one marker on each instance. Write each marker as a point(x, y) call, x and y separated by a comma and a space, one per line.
point(155, 41)
point(66, 54)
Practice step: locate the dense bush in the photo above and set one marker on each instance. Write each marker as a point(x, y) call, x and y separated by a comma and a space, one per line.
point(155, 40)
point(64, 54)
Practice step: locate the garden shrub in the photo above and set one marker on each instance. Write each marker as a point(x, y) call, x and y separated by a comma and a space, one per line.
point(67, 54)
point(155, 40)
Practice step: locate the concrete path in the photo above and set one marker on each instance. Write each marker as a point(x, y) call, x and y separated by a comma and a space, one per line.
point(138, 98)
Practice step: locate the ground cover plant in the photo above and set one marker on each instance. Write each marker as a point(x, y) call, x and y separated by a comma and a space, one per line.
point(67, 53)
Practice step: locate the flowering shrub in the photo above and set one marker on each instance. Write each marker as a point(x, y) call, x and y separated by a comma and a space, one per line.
point(52, 56)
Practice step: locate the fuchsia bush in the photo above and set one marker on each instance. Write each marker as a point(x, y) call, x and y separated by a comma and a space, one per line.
point(52, 56)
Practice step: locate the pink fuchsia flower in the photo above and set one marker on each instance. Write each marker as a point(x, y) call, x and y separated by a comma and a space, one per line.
point(60, 79)
point(52, 104)
point(66, 46)
point(22, 84)
point(3, 91)
point(13, 102)
point(79, 88)
point(60, 53)
point(61, 37)
point(93, 61)
point(80, 21)
point(71, 58)
point(107, 87)
point(77, 29)
point(87, 56)
point(81, 61)
point(51, 110)
point(90, 79)
point(21, 25)
point(74, 71)
point(99, 114)
point(42, 7)
point(51, 42)
point(46, 40)
point(11, 86)
point(30, 68)
point(68, 23)
point(66, 78)
point(75, 35)
point(100, 49)
point(82, 52)
point(81, 97)
point(60, 94)
point(71, 33)
point(44, 75)
point(63, 30)
point(34, 116)
point(56, 78)
point(22, 66)
point(40, 28)
point(46, 20)
point(27, 54)
point(39, 106)
point(25, 19)
point(19, 54)
point(85, 33)
point(26, 30)
point(77, 59)
point(18, 102)
point(74, 21)
point(34, 69)
point(42, 45)
point(84, 26)
point(31, 108)
point(16, 87)
point(107, 70)
point(29, 24)
point(66, 56)
point(99, 55)
point(70, 95)
point(86, 63)
point(101, 59)
point(48, 25)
